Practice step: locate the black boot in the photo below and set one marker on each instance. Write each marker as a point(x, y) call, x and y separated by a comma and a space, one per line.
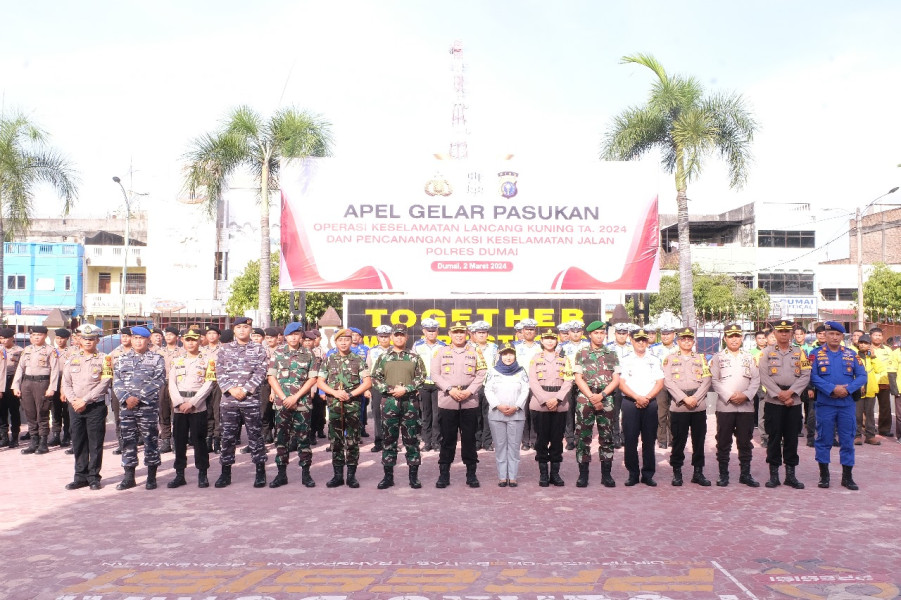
point(414, 477)
point(178, 481)
point(633, 479)
point(225, 479)
point(443, 476)
point(209, 444)
point(128, 481)
point(606, 477)
point(54, 439)
point(338, 478)
point(774, 477)
point(165, 446)
point(745, 476)
point(32, 445)
point(471, 479)
point(120, 446)
point(66, 441)
point(677, 476)
point(698, 477)
point(268, 438)
point(14, 439)
point(245, 450)
point(824, 475)
point(260, 480)
point(388, 480)
point(42, 445)
point(352, 477)
point(202, 481)
point(4, 439)
point(282, 477)
point(305, 478)
point(150, 484)
point(791, 480)
point(723, 481)
point(555, 475)
point(847, 481)
point(542, 475)
point(26, 436)
point(582, 481)
point(377, 446)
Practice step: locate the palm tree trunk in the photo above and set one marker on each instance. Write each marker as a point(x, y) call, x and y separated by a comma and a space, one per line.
point(686, 281)
point(265, 252)
point(2, 256)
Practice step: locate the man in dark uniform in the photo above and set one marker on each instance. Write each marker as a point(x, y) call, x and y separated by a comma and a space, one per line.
point(10, 416)
point(426, 347)
point(35, 383)
point(836, 373)
point(267, 408)
point(317, 415)
point(59, 413)
point(213, 426)
point(123, 348)
point(641, 379)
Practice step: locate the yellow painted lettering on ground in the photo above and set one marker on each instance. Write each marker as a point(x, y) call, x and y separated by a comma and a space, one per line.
point(244, 583)
point(518, 581)
point(428, 580)
point(321, 581)
point(175, 581)
point(697, 580)
point(99, 583)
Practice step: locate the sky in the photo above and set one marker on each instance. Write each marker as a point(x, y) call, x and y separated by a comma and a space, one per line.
point(124, 87)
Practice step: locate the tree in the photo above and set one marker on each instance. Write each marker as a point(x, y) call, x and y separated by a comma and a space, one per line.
point(882, 294)
point(26, 161)
point(246, 140)
point(245, 295)
point(716, 296)
point(685, 127)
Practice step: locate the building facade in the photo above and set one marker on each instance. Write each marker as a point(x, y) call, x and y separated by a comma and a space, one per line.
point(39, 277)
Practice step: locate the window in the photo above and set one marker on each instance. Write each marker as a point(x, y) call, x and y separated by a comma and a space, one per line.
point(786, 283)
point(745, 280)
point(45, 249)
point(103, 283)
point(68, 250)
point(15, 282)
point(117, 251)
point(767, 238)
point(841, 294)
point(67, 283)
point(136, 283)
point(98, 251)
point(220, 268)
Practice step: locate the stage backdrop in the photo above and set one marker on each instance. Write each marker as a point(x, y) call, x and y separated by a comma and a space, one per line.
point(443, 226)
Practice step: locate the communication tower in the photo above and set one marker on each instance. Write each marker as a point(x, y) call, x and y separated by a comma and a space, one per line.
point(459, 131)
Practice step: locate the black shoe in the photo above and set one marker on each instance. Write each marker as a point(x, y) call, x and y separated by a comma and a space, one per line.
point(632, 480)
point(774, 477)
point(128, 481)
point(202, 480)
point(95, 485)
point(489, 447)
point(388, 480)
point(352, 477)
point(471, 479)
point(847, 480)
point(377, 446)
point(209, 444)
point(245, 450)
point(165, 446)
point(42, 445)
point(54, 440)
point(66, 441)
point(4, 439)
point(178, 481)
point(225, 479)
point(320, 435)
point(698, 477)
point(414, 477)
point(570, 445)
point(617, 445)
point(723, 481)
point(555, 475)
point(606, 477)
point(649, 481)
point(70, 450)
point(677, 477)
point(582, 481)
point(268, 439)
point(746, 478)
point(280, 479)
point(305, 478)
point(260, 480)
point(443, 476)
point(338, 478)
point(77, 485)
point(542, 475)
point(26, 436)
point(32, 445)
point(119, 447)
point(150, 484)
point(791, 480)
point(14, 440)
point(478, 446)
point(364, 433)
point(824, 476)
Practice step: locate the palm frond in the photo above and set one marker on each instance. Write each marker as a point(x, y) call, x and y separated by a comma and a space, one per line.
point(735, 128)
point(48, 166)
point(645, 60)
point(633, 133)
point(694, 132)
point(299, 134)
point(211, 159)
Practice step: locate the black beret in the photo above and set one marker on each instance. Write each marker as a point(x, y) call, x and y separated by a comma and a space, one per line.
point(272, 331)
point(214, 328)
point(7, 332)
point(62, 333)
point(258, 331)
point(171, 329)
point(156, 330)
point(242, 321)
point(311, 335)
point(125, 331)
point(227, 336)
point(38, 329)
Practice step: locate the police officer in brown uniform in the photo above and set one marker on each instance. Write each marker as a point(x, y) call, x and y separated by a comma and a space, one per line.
point(687, 379)
point(10, 417)
point(550, 382)
point(785, 373)
point(35, 382)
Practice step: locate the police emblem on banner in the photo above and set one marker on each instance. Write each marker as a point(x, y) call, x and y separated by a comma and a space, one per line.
point(438, 186)
point(507, 183)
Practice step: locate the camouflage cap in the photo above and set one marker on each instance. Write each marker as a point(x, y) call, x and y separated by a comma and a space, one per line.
point(399, 330)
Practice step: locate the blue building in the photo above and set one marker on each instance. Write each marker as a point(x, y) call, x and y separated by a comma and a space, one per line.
point(39, 277)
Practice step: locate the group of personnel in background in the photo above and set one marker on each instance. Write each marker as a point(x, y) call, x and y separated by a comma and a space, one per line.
point(200, 386)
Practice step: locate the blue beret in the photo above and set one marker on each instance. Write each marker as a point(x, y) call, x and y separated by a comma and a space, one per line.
point(835, 326)
point(141, 331)
point(293, 328)
point(356, 330)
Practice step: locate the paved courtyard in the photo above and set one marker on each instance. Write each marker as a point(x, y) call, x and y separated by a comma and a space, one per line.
point(487, 544)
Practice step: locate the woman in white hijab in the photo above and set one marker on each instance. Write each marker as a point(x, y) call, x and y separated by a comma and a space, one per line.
point(506, 389)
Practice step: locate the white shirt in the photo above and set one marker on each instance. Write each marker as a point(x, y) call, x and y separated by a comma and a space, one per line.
point(641, 372)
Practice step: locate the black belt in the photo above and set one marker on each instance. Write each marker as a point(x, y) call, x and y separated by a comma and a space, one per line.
point(553, 388)
point(784, 387)
point(186, 394)
point(36, 377)
point(690, 392)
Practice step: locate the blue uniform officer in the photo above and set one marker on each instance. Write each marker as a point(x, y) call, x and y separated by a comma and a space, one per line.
point(836, 373)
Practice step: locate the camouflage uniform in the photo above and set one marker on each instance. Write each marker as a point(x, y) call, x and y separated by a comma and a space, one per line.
point(399, 415)
point(141, 376)
point(597, 367)
point(244, 366)
point(343, 373)
point(292, 369)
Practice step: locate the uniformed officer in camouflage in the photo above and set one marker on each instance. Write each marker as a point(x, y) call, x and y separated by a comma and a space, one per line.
point(290, 370)
point(168, 350)
point(343, 377)
point(124, 347)
point(596, 372)
point(240, 370)
point(398, 375)
point(138, 376)
point(35, 383)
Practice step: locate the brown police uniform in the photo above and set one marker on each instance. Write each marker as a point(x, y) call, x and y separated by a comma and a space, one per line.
point(783, 370)
point(38, 371)
point(684, 375)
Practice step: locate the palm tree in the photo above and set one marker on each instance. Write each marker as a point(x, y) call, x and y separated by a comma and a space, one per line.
point(26, 161)
point(246, 140)
point(685, 127)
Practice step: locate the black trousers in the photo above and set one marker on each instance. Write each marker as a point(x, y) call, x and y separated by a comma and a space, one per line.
point(114, 406)
point(449, 422)
point(193, 425)
point(165, 413)
point(9, 409)
point(59, 414)
point(549, 427)
point(88, 431)
point(267, 410)
point(428, 404)
point(681, 423)
point(640, 422)
point(213, 404)
point(317, 418)
point(377, 414)
point(740, 425)
point(782, 424)
point(483, 435)
point(570, 432)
